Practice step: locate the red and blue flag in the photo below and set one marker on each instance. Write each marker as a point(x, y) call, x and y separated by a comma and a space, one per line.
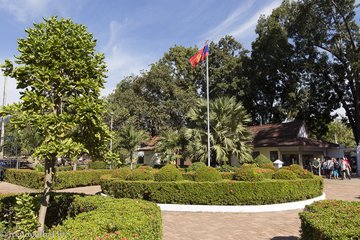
point(200, 56)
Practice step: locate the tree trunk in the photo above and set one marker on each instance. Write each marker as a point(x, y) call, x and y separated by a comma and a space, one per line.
point(49, 175)
point(74, 166)
point(131, 163)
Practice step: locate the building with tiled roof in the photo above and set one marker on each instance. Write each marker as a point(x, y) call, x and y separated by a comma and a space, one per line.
point(290, 143)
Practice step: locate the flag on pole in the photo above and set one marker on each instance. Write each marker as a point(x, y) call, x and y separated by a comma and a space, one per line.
point(200, 56)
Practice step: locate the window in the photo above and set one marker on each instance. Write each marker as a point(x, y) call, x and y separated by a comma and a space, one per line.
point(274, 155)
point(255, 154)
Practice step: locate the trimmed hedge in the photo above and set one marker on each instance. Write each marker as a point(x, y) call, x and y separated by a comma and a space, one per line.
point(168, 173)
point(98, 165)
point(215, 193)
point(70, 168)
point(94, 217)
point(195, 166)
point(142, 173)
point(63, 179)
point(284, 174)
point(299, 171)
point(248, 174)
point(24, 177)
point(331, 219)
point(207, 174)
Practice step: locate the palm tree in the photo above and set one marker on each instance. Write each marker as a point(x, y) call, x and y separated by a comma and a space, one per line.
point(170, 145)
point(228, 133)
point(129, 138)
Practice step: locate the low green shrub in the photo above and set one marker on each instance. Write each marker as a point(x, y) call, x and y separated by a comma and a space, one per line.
point(266, 172)
point(248, 174)
point(26, 221)
point(195, 166)
point(248, 165)
point(63, 179)
point(40, 168)
point(24, 177)
point(227, 175)
point(207, 174)
point(70, 168)
point(140, 174)
point(331, 219)
point(168, 173)
point(190, 176)
point(94, 217)
point(71, 179)
point(215, 193)
point(261, 160)
point(267, 166)
point(300, 171)
point(121, 173)
point(227, 168)
point(98, 165)
point(284, 174)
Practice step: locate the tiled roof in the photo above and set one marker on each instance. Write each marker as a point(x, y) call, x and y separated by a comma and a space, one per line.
point(283, 130)
point(284, 134)
point(149, 145)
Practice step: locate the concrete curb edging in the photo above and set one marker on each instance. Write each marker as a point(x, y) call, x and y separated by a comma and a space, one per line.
point(240, 209)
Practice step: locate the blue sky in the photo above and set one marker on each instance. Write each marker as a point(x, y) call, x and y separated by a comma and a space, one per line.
point(134, 34)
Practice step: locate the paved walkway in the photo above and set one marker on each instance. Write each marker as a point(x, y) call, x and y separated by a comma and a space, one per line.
point(212, 226)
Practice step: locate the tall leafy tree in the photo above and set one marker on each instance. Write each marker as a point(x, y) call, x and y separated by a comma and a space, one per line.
point(21, 141)
point(226, 69)
point(340, 132)
point(326, 31)
point(272, 94)
point(60, 77)
point(158, 99)
point(228, 133)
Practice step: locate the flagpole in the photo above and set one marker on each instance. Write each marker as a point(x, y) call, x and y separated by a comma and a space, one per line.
point(208, 109)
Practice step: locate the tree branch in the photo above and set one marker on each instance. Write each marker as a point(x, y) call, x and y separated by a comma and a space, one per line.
point(348, 30)
point(332, 53)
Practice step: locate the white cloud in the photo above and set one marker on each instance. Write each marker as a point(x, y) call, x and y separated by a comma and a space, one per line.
point(23, 10)
point(251, 23)
point(121, 56)
point(240, 22)
point(232, 19)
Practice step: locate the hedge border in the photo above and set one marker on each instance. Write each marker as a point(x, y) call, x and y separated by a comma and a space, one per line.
point(63, 179)
point(331, 219)
point(216, 193)
point(90, 217)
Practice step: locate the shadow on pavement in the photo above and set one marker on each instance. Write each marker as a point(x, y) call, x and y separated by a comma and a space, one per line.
point(285, 238)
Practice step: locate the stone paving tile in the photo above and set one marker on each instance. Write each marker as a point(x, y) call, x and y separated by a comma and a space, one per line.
point(180, 225)
point(6, 187)
point(91, 190)
point(283, 225)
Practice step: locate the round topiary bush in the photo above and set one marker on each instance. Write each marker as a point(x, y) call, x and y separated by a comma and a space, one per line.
point(207, 174)
point(121, 173)
point(168, 173)
point(266, 172)
point(262, 160)
point(140, 174)
point(284, 174)
point(300, 171)
point(195, 166)
point(227, 168)
point(248, 174)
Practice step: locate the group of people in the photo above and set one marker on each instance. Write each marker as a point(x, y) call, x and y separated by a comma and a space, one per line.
point(332, 168)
